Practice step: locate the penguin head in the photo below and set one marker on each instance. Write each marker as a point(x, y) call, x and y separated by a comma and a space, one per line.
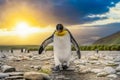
point(60, 30)
point(59, 27)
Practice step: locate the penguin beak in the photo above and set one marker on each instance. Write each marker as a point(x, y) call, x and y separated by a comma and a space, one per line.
point(59, 31)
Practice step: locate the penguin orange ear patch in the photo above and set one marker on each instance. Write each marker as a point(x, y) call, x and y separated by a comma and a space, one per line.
point(64, 32)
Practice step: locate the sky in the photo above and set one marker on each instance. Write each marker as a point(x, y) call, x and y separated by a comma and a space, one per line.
point(29, 22)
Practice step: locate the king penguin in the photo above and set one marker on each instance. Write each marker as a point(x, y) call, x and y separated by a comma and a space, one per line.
point(62, 39)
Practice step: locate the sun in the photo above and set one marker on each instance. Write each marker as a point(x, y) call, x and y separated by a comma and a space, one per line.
point(24, 29)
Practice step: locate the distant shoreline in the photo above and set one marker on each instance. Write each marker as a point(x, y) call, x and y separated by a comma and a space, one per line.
point(50, 48)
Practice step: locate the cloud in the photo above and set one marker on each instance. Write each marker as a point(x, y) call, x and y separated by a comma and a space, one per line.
point(111, 17)
point(99, 16)
point(75, 11)
point(69, 12)
point(33, 11)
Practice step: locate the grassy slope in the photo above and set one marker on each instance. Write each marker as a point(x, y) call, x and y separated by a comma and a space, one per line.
point(110, 40)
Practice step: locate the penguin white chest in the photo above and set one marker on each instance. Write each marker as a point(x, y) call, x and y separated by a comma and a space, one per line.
point(62, 47)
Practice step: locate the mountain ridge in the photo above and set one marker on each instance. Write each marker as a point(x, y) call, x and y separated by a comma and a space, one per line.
point(112, 39)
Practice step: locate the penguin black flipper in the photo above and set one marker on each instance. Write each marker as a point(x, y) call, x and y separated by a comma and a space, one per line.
point(75, 44)
point(45, 43)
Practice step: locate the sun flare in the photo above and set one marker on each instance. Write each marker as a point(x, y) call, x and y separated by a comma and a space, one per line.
point(24, 29)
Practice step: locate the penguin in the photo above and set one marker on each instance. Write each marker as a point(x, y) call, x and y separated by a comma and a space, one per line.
point(62, 39)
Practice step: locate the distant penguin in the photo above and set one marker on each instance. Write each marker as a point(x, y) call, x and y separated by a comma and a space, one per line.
point(62, 39)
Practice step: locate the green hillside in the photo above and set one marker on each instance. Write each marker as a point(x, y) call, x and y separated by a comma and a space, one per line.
point(110, 40)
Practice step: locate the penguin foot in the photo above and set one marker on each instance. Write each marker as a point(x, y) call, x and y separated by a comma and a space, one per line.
point(56, 68)
point(65, 67)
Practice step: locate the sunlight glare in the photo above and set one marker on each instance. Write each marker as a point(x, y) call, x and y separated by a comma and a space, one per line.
point(24, 29)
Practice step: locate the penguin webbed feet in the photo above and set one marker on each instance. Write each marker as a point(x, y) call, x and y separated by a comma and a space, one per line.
point(41, 50)
point(56, 68)
point(60, 68)
point(64, 67)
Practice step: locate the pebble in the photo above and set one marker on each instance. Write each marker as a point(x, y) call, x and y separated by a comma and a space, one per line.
point(13, 58)
point(93, 62)
point(29, 55)
point(80, 62)
point(11, 76)
point(93, 58)
point(36, 67)
point(118, 73)
point(6, 68)
point(46, 69)
point(112, 76)
point(102, 74)
point(111, 63)
point(118, 68)
point(96, 70)
point(60, 77)
point(109, 70)
point(117, 59)
point(14, 77)
point(76, 62)
point(15, 73)
point(84, 71)
point(108, 58)
point(36, 76)
point(3, 75)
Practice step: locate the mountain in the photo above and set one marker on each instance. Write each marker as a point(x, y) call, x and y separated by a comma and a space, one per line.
point(110, 40)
